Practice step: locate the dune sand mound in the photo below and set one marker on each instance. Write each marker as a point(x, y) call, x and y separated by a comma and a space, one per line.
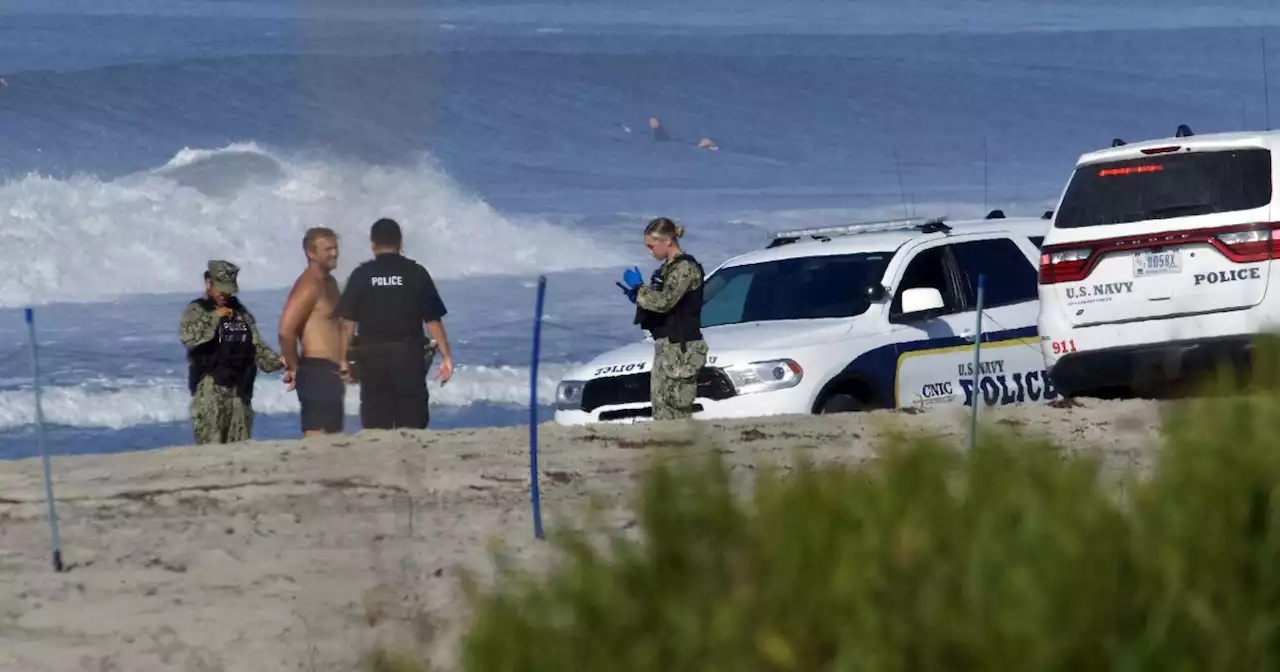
point(295, 555)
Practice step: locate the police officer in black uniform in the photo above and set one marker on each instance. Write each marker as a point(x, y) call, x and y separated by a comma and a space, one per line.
point(389, 299)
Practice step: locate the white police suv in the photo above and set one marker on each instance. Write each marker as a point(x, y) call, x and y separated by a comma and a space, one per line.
point(1158, 261)
point(845, 318)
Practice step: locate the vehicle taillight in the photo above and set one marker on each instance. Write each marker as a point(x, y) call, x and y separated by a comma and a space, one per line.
point(1064, 266)
point(1252, 245)
point(1244, 244)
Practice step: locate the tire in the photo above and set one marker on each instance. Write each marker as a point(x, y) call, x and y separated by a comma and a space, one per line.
point(841, 403)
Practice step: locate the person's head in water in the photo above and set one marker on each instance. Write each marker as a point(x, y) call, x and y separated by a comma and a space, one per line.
point(385, 236)
point(662, 237)
point(655, 127)
point(321, 246)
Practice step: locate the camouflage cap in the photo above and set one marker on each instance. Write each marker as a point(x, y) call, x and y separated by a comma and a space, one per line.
point(223, 276)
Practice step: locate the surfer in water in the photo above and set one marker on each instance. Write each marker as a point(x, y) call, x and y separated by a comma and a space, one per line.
point(660, 134)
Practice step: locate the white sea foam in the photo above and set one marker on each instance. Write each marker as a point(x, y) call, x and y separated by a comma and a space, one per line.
point(85, 239)
point(117, 404)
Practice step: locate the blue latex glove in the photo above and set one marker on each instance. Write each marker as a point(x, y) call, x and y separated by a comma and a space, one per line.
point(631, 278)
point(630, 292)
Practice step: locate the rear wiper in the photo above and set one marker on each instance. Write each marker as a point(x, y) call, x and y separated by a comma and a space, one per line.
point(1182, 209)
point(1103, 219)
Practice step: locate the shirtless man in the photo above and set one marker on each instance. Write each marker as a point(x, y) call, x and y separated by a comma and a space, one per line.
point(308, 315)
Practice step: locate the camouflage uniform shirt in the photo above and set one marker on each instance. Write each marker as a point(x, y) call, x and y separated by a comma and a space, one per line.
point(199, 325)
point(674, 378)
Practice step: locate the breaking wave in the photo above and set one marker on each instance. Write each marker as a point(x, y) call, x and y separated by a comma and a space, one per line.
point(84, 239)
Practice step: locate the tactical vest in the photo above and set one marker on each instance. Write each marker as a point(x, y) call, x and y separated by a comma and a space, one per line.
point(683, 323)
point(229, 356)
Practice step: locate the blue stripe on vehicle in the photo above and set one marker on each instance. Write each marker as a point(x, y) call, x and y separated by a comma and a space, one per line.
point(878, 367)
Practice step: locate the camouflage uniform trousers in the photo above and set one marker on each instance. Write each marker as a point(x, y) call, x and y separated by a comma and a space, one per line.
point(673, 385)
point(219, 415)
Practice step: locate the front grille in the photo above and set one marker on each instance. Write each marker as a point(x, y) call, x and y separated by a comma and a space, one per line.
point(634, 389)
point(629, 389)
point(714, 384)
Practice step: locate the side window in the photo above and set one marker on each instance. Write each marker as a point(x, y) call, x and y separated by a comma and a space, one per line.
point(926, 269)
point(1010, 277)
point(724, 301)
point(1037, 241)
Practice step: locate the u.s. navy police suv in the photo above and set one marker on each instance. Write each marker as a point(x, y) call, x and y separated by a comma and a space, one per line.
point(1158, 261)
point(845, 318)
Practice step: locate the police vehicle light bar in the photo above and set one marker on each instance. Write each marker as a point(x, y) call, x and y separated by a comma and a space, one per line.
point(920, 223)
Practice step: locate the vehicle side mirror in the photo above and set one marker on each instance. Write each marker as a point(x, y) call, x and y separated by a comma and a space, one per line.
point(921, 300)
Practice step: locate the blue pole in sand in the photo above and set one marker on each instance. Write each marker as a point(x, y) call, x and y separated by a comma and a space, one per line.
point(977, 363)
point(44, 452)
point(533, 412)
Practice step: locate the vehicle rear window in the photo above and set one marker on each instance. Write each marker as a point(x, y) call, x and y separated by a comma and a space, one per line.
point(1166, 185)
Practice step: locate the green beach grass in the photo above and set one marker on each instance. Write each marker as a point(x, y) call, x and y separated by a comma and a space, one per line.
point(1022, 555)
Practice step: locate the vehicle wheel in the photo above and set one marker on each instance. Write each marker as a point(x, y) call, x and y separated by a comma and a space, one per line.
point(840, 403)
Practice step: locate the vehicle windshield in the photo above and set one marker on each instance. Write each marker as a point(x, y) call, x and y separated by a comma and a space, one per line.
point(1163, 186)
point(804, 288)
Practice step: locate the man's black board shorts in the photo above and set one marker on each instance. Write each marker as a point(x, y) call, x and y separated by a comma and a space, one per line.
point(320, 392)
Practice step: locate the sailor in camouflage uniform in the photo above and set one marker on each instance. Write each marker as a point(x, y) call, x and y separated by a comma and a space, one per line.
point(224, 353)
point(670, 308)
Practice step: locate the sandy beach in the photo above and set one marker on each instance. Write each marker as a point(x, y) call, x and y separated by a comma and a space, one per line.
point(297, 555)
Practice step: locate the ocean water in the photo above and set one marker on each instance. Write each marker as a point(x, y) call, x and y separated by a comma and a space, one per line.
point(143, 137)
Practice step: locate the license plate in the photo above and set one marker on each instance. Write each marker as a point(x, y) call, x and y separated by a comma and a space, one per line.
point(1152, 263)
